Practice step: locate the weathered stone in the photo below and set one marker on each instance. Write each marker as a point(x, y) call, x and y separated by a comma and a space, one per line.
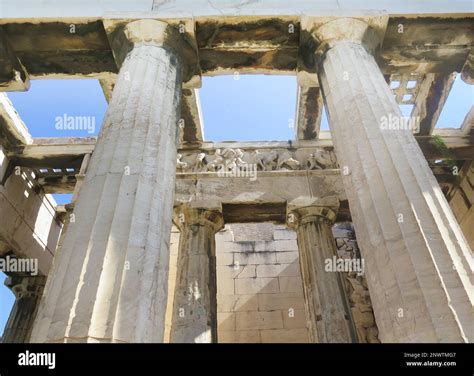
point(401, 218)
point(282, 301)
point(278, 270)
point(28, 291)
point(110, 273)
point(285, 336)
point(195, 298)
point(241, 336)
point(235, 303)
point(259, 320)
point(226, 321)
point(256, 286)
point(235, 271)
point(326, 308)
point(118, 248)
point(287, 257)
point(294, 318)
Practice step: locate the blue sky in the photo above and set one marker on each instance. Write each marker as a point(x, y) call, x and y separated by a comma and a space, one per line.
point(239, 108)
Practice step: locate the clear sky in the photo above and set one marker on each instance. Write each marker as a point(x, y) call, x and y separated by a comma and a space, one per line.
point(239, 108)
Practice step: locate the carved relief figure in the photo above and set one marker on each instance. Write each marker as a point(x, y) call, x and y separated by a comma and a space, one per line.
point(275, 160)
point(199, 162)
point(319, 160)
point(179, 164)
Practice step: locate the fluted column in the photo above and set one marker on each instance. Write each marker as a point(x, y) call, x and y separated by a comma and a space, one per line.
point(28, 291)
point(327, 311)
point(195, 298)
point(419, 266)
point(109, 282)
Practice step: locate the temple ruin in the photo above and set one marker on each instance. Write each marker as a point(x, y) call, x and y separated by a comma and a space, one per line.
point(363, 233)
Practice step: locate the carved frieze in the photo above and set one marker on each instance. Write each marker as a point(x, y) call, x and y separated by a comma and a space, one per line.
point(277, 159)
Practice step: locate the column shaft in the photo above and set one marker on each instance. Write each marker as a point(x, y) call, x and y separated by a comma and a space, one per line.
point(109, 282)
point(28, 291)
point(419, 266)
point(327, 310)
point(195, 298)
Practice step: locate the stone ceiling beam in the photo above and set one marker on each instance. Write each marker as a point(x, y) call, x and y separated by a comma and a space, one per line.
point(193, 127)
point(13, 132)
point(467, 127)
point(432, 96)
point(308, 113)
point(467, 72)
point(61, 152)
point(13, 75)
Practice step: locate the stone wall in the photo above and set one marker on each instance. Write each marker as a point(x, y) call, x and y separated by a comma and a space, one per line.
point(260, 293)
point(28, 223)
point(259, 288)
point(462, 204)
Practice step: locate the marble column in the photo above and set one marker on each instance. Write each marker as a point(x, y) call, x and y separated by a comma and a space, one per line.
point(195, 299)
point(28, 291)
point(327, 309)
point(419, 266)
point(109, 281)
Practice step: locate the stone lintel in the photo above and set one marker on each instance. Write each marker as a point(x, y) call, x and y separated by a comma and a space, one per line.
point(177, 35)
point(249, 42)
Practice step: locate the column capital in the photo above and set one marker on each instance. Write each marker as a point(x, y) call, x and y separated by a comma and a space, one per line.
point(320, 34)
point(25, 286)
point(147, 31)
point(125, 34)
point(197, 214)
point(310, 209)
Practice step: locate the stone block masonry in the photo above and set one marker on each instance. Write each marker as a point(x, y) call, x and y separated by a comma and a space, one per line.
point(259, 291)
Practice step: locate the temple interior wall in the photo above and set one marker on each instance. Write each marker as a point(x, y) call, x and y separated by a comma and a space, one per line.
point(462, 204)
point(28, 223)
point(259, 287)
